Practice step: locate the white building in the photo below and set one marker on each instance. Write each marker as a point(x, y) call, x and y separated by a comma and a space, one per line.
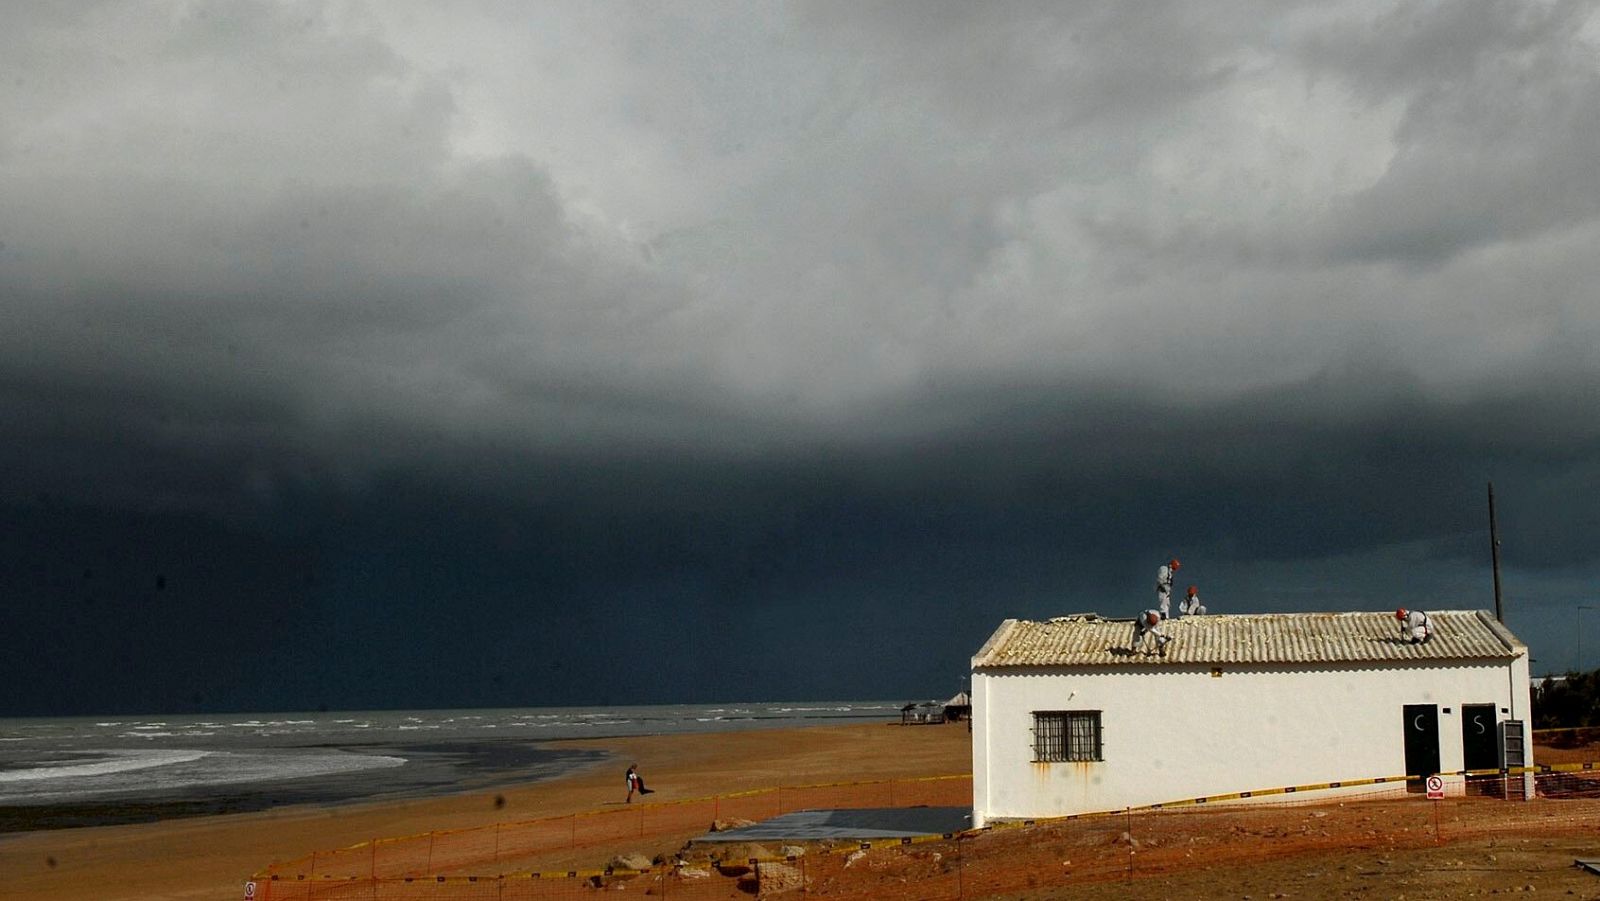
point(1066, 720)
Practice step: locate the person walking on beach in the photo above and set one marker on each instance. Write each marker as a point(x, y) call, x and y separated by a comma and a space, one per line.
point(1164, 585)
point(636, 783)
point(1190, 605)
point(1415, 625)
point(1148, 624)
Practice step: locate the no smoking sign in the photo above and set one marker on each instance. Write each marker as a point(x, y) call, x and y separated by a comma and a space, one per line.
point(1435, 788)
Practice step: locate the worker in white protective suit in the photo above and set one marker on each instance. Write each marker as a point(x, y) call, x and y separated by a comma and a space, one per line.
point(1148, 624)
point(1190, 605)
point(1414, 625)
point(1164, 586)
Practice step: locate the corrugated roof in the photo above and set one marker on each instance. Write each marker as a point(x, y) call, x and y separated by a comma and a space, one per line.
point(1090, 640)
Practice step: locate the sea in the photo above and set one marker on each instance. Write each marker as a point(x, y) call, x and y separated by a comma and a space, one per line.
point(74, 771)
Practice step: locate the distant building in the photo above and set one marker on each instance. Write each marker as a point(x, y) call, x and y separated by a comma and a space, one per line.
point(1066, 720)
point(958, 707)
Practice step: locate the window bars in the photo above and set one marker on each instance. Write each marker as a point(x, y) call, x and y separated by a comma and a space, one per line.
point(1066, 735)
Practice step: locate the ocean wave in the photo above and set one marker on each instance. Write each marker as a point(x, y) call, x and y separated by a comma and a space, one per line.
point(115, 762)
point(167, 772)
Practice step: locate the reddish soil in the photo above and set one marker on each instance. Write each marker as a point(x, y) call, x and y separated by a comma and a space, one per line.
point(1371, 849)
point(1392, 846)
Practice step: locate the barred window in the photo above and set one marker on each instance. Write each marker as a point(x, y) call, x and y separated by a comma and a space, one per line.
point(1066, 735)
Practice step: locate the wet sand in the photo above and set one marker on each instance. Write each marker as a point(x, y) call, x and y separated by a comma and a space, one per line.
point(431, 768)
point(210, 857)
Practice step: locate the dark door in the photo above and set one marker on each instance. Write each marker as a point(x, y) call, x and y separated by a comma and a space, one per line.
point(1478, 737)
point(1422, 743)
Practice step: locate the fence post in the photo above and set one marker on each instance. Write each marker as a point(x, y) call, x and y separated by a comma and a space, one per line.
point(497, 846)
point(961, 870)
point(372, 871)
point(891, 792)
point(1130, 844)
point(429, 866)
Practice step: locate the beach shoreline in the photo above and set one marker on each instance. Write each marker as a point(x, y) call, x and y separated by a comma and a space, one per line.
point(432, 769)
point(211, 856)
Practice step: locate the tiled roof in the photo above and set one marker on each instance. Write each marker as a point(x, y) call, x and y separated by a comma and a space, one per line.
point(1091, 640)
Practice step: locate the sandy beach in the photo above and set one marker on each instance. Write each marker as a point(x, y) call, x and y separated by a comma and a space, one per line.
point(1331, 851)
point(211, 857)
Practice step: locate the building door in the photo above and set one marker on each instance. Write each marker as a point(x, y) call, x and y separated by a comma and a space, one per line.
point(1422, 743)
point(1480, 748)
point(1479, 738)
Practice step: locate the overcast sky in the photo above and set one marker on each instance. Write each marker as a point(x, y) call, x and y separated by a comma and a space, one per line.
point(406, 354)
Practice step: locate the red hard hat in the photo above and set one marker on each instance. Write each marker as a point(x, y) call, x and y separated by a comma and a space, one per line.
point(1175, 564)
point(1193, 591)
point(1152, 617)
point(1400, 614)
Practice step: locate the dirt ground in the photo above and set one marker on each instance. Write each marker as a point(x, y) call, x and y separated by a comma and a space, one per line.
point(1376, 849)
point(1269, 858)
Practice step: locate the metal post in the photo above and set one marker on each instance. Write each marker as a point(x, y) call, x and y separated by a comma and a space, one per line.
point(1130, 844)
point(961, 870)
point(1494, 551)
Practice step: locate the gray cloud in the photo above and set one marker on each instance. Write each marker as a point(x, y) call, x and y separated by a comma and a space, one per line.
point(901, 298)
point(1501, 105)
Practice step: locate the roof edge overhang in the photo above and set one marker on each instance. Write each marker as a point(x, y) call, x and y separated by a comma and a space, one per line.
point(1236, 666)
point(1513, 646)
point(995, 640)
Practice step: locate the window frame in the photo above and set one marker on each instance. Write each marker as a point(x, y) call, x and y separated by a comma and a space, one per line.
point(1062, 743)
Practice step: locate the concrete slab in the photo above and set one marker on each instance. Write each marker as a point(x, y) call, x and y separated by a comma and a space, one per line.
point(865, 824)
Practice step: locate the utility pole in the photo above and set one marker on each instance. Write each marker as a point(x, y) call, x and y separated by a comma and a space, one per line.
point(1494, 550)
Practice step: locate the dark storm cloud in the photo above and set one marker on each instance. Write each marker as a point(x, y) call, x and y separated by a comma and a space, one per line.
point(504, 327)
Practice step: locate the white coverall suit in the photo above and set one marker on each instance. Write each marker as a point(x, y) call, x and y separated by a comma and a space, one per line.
point(1144, 627)
point(1416, 627)
point(1191, 606)
point(1164, 590)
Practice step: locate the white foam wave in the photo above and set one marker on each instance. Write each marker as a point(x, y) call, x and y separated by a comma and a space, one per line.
point(118, 762)
point(162, 772)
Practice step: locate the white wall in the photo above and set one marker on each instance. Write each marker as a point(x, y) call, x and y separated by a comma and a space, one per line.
point(1170, 734)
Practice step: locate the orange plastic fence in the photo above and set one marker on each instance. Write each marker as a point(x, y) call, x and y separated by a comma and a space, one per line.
point(520, 846)
point(1006, 859)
